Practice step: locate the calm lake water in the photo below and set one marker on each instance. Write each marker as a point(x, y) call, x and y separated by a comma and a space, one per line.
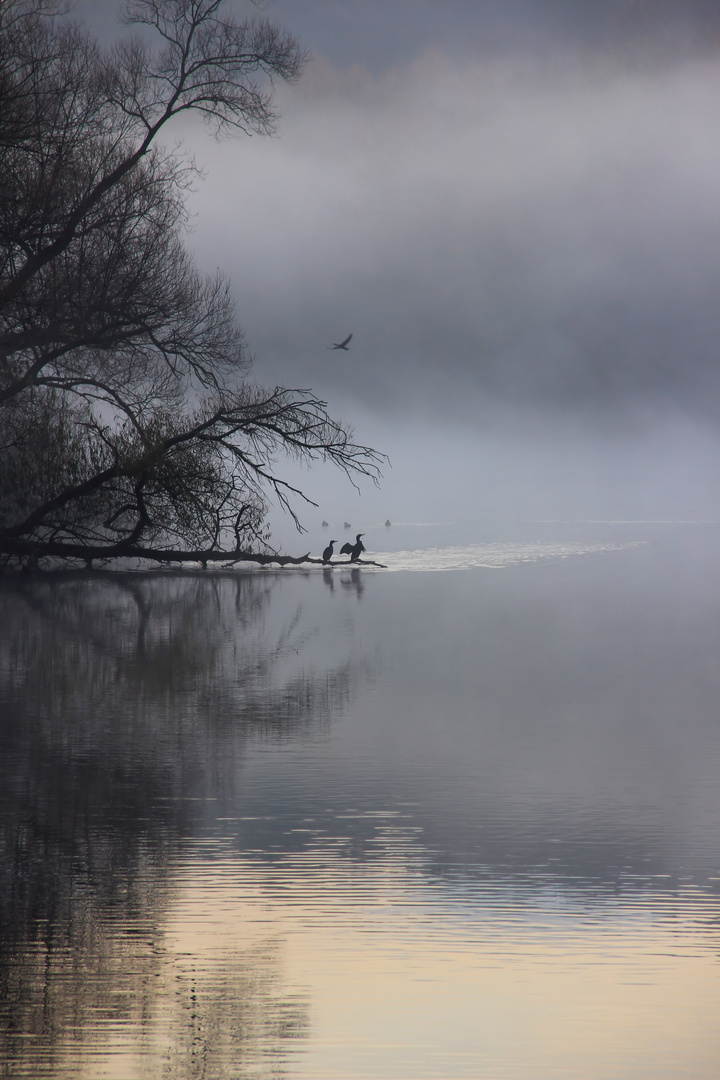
point(459, 818)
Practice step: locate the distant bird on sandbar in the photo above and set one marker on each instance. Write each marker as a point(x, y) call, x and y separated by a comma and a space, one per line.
point(353, 550)
point(388, 522)
point(341, 344)
point(328, 552)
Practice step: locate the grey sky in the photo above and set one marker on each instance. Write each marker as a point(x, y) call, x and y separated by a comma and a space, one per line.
point(513, 206)
point(530, 229)
point(379, 33)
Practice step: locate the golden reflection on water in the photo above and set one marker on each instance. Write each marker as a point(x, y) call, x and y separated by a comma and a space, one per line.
point(332, 969)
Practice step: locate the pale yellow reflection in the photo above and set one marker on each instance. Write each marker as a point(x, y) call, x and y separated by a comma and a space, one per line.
point(327, 968)
point(411, 990)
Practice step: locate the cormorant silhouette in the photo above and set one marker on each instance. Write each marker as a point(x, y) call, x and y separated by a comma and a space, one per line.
point(342, 344)
point(353, 550)
point(328, 552)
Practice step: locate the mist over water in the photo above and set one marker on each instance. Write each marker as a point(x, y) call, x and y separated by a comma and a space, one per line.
point(508, 480)
point(524, 246)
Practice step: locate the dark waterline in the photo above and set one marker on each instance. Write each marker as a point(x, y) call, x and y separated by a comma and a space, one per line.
point(266, 822)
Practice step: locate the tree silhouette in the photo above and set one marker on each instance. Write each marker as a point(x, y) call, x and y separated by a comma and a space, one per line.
point(128, 422)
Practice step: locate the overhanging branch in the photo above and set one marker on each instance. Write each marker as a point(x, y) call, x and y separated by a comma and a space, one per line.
point(33, 551)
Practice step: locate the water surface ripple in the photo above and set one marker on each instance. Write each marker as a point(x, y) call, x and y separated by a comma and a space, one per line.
point(357, 824)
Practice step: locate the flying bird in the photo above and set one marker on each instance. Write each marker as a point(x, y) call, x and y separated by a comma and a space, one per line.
point(353, 550)
point(328, 552)
point(342, 344)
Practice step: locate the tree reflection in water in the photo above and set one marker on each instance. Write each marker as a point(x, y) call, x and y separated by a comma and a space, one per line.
point(127, 701)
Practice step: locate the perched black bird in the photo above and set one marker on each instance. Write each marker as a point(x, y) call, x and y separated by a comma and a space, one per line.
point(342, 344)
point(353, 550)
point(328, 552)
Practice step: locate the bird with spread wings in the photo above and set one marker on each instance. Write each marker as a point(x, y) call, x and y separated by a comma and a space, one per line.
point(354, 550)
point(342, 344)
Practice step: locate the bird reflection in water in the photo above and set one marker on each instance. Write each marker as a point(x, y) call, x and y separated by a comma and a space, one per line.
point(329, 579)
point(353, 580)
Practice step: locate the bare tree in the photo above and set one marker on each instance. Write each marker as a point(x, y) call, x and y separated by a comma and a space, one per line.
point(127, 421)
